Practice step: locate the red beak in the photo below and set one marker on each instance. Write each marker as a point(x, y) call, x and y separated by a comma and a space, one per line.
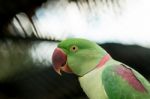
point(59, 59)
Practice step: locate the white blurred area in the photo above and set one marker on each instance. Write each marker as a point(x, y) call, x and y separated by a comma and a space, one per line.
point(127, 22)
point(41, 53)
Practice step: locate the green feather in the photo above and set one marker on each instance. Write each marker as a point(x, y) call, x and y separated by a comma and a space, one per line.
point(118, 88)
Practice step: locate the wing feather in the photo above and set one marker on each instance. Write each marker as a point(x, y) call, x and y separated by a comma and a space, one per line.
point(122, 82)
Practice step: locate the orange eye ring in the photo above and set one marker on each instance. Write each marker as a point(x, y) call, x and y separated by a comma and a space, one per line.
point(73, 48)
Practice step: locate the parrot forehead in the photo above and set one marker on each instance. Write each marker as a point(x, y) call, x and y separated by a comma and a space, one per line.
point(82, 43)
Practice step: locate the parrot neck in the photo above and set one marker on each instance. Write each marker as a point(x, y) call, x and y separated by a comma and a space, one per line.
point(101, 63)
point(105, 59)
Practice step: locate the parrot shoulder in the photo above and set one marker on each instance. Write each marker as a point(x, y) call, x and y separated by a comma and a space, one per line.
point(122, 82)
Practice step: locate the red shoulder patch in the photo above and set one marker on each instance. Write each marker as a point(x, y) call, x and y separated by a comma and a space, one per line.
point(129, 76)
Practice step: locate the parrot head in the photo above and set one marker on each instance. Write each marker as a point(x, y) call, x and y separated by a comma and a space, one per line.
point(76, 55)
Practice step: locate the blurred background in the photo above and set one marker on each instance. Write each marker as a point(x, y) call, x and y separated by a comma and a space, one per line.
point(31, 29)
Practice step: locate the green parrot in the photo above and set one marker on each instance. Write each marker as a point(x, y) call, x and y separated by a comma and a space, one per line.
point(100, 76)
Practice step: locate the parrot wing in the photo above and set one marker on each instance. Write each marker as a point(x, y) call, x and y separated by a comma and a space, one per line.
point(122, 82)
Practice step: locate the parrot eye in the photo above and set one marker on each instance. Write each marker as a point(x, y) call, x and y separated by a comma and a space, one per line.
point(73, 48)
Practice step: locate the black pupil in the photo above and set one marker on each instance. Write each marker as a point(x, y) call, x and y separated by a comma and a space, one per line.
point(74, 48)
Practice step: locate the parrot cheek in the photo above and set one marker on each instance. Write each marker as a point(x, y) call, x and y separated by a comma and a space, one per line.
point(59, 60)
